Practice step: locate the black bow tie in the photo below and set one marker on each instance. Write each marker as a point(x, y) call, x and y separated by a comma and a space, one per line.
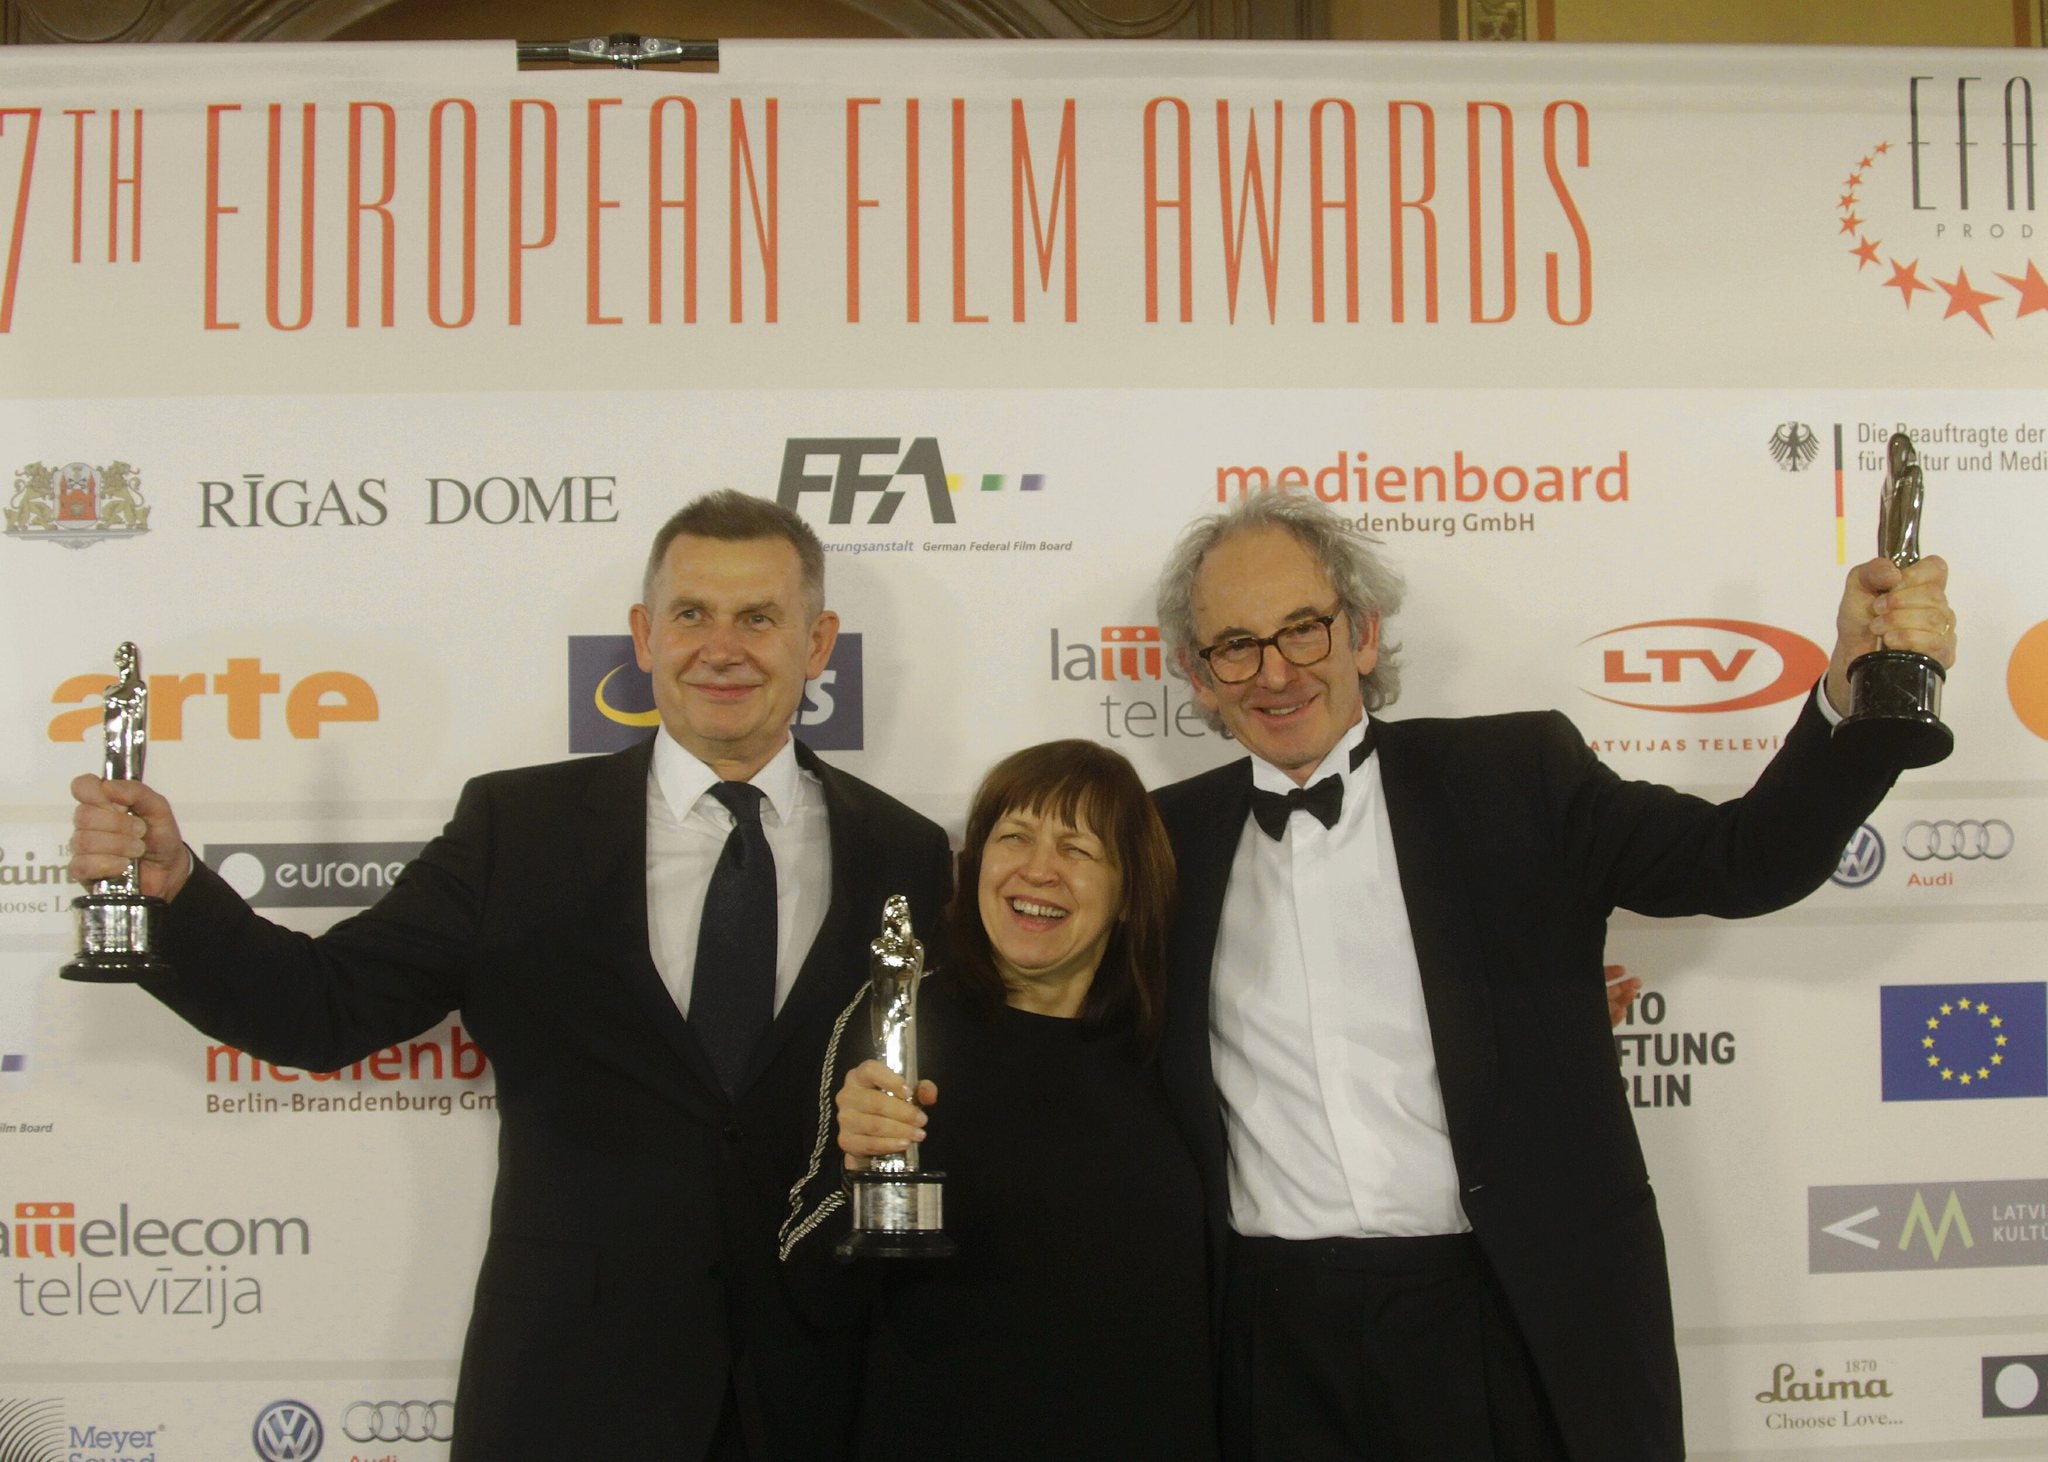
point(1324, 801)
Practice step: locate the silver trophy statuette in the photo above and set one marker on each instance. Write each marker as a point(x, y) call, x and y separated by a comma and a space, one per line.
point(898, 1210)
point(1895, 695)
point(114, 917)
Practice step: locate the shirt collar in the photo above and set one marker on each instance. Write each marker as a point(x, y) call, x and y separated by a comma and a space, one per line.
point(684, 780)
point(1336, 763)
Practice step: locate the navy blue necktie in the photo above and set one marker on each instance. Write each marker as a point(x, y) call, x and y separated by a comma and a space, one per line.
point(732, 992)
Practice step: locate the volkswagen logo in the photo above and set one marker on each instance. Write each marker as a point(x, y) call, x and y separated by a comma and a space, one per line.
point(288, 1431)
point(399, 1421)
point(1968, 840)
point(1862, 860)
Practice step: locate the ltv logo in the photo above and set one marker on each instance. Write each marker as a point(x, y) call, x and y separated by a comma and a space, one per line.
point(1701, 665)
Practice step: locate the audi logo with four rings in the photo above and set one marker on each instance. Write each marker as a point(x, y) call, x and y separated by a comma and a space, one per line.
point(1949, 840)
point(399, 1421)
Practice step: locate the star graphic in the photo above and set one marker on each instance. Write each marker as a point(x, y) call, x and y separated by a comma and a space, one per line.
point(1966, 1078)
point(1982, 1008)
point(1851, 224)
point(1847, 200)
point(1932, 1023)
point(1948, 1010)
point(1854, 180)
point(1934, 1060)
point(1905, 279)
point(1996, 1059)
point(2032, 287)
point(1866, 160)
point(1882, 148)
point(1996, 1022)
point(1999, 1039)
point(1927, 1041)
point(1865, 253)
point(1983, 1074)
point(1963, 300)
point(1947, 1075)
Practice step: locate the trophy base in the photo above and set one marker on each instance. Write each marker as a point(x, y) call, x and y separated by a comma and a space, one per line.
point(1895, 710)
point(897, 1216)
point(113, 940)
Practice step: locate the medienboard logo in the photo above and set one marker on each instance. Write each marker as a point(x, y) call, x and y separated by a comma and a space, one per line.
point(611, 699)
point(850, 479)
point(1700, 666)
point(1867, 1228)
point(309, 875)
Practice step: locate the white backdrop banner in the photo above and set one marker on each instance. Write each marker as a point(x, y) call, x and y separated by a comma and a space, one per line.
point(351, 381)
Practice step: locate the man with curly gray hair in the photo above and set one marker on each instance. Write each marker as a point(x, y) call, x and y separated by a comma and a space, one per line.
point(1387, 1038)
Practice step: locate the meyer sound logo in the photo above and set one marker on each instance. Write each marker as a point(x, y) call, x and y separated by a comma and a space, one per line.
point(32, 1429)
point(611, 699)
point(2015, 1385)
point(77, 504)
point(1701, 666)
point(287, 1431)
point(1959, 1042)
point(849, 478)
point(1967, 839)
point(1862, 859)
point(1866, 1228)
point(309, 875)
point(399, 1421)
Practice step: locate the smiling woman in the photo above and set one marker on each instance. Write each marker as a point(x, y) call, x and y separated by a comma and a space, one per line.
point(1073, 1322)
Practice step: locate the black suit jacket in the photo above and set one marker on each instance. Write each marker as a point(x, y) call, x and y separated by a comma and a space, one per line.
point(631, 1270)
point(1514, 844)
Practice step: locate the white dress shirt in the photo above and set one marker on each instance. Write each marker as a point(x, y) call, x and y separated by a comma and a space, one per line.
point(686, 831)
point(1319, 1036)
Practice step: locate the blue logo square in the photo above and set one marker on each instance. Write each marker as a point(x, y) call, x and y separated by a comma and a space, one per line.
point(611, 699)
point(1964, 1042)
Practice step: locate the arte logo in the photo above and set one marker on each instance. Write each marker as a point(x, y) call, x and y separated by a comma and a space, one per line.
point(32, 1429)
point(288, 1431)
point(1953, 188)
point(243, 687)
point(2015, 1385)
point(1861, 861)
point(1964, 1041)
point(1702, 666)
point(611, 699)
point(851, 477)
point(1872, 1227)
point(77, 504)
point(310, 875)
point(2026, 680)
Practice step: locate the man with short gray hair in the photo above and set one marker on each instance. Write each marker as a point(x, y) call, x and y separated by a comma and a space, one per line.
point(1386, 1030)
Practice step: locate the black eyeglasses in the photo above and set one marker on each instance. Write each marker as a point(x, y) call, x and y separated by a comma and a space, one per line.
point(1237, 659)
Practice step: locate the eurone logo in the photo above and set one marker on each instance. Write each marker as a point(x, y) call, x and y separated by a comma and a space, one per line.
point(310, 875)
point(1861, 861)
point(611, 699)
point(1701, 665)
point(850, 477)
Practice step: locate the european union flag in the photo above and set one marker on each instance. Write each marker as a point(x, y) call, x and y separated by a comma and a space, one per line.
point(1960, 1042)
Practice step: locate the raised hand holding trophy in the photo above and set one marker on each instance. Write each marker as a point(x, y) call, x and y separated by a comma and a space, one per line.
point(114, 917)
point(898, 1210)
point(1895, 695)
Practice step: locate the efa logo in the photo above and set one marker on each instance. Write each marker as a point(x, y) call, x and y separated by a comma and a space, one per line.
point(1701, 666)
point(611, 699)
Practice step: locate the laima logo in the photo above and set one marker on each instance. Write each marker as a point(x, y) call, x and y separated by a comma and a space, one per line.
point(1872, 1227)
point(243, 687)
point(852, 474)
point(1953, 190)
point(1697, 666)
point(1788, 1385)
point(1794, 446)
point(309, 875)
point(1861, 861)
point(287, 1431)
point(611, 699)
point(77, 504)
point(32, 1429)
point(2026, 679)
point(2015, 1385)
point(1964, 1041)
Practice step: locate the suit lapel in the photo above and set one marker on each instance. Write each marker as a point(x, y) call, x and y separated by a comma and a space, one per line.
point(1434, 878)
point(614, 863)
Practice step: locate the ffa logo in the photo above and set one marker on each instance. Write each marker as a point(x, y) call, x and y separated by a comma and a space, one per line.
point(77, 504)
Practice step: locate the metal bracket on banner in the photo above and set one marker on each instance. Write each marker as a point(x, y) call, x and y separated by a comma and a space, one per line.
point(622, 49)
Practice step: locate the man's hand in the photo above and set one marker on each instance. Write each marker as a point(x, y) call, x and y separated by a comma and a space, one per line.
point(876, 1115)
point(118, 823)
point(1622, 989)
point(1886, 608)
